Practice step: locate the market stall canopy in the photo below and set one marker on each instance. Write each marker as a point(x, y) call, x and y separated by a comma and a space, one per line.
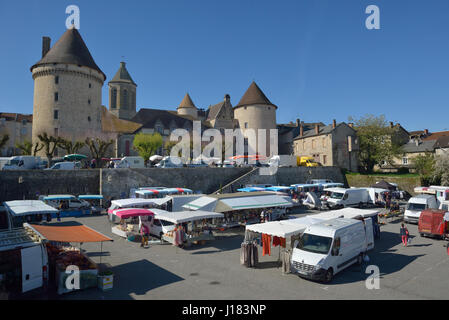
point(124, 203)
point(242, 203)
point(59, 197)
point(250, 189)
point(27, 207)
point(75, 157)
point(281, 229)
point(132, 212)
point(205, 203)
point(279, 188)
point(91, 197)
point(185, 216)
point(177, 190)
point(384, 185)
point(77, 233)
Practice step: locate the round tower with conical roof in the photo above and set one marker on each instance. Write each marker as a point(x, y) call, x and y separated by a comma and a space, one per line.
point(122, 94)
point(255, 111)
point(67, 90)
point(187, 107)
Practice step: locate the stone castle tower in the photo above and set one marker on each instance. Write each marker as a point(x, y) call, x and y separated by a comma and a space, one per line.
point(122, 94)
point(67, 90)
point(187, 107)
point(255, 111)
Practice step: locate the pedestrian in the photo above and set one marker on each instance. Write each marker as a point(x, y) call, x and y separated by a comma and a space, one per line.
point(92, 163)
point(145, 232)
point(404, 235)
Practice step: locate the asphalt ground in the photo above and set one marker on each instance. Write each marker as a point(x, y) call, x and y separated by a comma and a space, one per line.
point(213, 270)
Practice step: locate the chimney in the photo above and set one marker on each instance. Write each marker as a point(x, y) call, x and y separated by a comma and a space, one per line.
point(334, 124)
point(391, 124)
point(122, 64)
point(317, 128)
point(298, 122)
point(227, 98)
point(426, 131)
point(45, 45)
point(301, 130)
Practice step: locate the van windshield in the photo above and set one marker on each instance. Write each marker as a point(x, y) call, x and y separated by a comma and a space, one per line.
point(314, 243)
point(416, 206)
point(14, 162)
point(337, 195)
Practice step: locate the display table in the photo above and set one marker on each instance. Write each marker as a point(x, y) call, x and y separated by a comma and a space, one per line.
point(189, 239)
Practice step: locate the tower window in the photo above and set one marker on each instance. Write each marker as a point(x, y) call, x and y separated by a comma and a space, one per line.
point(113, 101)
point(56, 114)
point(125, 99)
point(88, 118)
point(56, 96)
point(90, 85)
point(88, 101)
point(56, 79)
point(246, 125)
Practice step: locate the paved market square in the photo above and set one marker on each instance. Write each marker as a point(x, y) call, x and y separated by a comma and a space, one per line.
point(213, 270)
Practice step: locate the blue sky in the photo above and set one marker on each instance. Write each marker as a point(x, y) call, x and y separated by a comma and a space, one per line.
point(314, 59)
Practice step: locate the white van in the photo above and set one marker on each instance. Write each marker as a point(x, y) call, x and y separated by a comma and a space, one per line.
point(170, 162)
point(417, 204)
point(22, 163)
point(341, 197)
point(132, 162)
point(65, 166)
point(328, 247)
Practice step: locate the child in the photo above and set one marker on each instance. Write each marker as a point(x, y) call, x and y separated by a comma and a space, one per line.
point(404, 235)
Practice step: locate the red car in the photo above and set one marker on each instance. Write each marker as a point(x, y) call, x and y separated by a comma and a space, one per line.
point(432, 223)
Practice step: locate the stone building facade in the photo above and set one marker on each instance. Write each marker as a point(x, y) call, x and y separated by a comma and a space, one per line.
point(331, 145)
point(18, 127)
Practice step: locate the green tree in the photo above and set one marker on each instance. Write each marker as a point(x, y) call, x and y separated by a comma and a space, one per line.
point(50, 144)
point(375, 142)
point(441, 173)
point(98, 148)
point(147, 144)
point(70, 147)
point(26, 147)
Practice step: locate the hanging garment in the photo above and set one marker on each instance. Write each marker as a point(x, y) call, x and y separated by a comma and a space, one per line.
point(266, 244)
point(243, 253)
point(255, 255)
point(276, 241)
point(282, 242)
point(286, 257)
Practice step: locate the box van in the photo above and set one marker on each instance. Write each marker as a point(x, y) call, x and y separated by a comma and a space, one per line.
point(22, 163)
point(24, 259)
point(132, 162)
point(65, 166)
point(417, 204)
point(341, 197)
point(432, 223)
point(308, 162)
point(328, 247)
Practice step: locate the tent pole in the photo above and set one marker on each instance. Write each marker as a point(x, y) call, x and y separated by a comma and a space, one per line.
point(101, 250)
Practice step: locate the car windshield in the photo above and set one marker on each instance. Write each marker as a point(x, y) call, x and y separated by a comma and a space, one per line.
point(337, 195)
point(314, 243)
point(416, 206)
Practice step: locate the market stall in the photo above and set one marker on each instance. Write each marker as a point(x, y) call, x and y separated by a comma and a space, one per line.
point(67, 205)
point(190, 226)
point(31, 211)
point(243, 208)
point(134, 203)
point(273, 234)
point(95, 200)
point(130, 221)
point(62, 253)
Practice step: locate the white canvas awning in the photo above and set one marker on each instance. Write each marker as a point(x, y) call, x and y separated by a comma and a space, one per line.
point(281, 229)
point(135, 202)
point(27, 207)
point(185, 216)
point(348, 213)
point(256, 202)
point(203, 203)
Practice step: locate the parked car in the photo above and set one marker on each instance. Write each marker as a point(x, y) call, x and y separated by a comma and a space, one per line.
point(170, 162)
point(66, 166)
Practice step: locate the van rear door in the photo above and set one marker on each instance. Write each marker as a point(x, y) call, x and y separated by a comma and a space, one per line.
point(32, 263)
point(369, 233)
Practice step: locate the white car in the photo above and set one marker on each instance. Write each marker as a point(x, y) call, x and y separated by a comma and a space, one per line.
point(65, 166)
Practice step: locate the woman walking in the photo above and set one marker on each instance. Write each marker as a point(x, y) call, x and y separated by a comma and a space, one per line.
point(404, 234)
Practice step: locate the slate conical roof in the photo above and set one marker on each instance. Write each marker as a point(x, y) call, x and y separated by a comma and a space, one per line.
point(254, 96)
point(187, 102)
point(70, 49)
point(122, 75)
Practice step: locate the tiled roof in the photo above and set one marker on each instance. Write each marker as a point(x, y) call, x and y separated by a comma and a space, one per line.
point(442, 142)
point(111, 123)
point(70, 49)
point(422, 146)
point(16, 116)
point(149, 117)
point(436, 135)
point(254, 96)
